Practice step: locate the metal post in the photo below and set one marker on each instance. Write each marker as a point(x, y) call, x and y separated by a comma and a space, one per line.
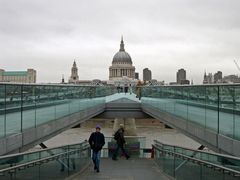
point(5, 110)
point(218, 108)
point(35, 99)
point(174, 163)
point(234, 111)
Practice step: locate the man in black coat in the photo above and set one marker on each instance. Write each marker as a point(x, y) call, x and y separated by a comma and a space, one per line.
point(96, 141)
point(119, 137)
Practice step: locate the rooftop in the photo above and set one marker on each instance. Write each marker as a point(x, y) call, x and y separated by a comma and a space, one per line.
point(14, 73)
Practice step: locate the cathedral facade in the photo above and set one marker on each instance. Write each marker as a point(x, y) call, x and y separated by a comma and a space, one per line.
point(122, 66)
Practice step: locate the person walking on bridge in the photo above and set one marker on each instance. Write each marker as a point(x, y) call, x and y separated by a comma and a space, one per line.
point(119, 137)
point(130, 88)
point(139, 90)
point(96, 141)
point(126, 89)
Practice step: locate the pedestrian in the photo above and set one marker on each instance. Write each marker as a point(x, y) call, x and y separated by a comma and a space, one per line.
point(96, 141)
point(126, 88)
point(130, 88)
point(118, 88)
point(119, 137)
point(139, 90)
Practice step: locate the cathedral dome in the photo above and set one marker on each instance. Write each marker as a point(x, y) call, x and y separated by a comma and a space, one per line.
point(122, 57)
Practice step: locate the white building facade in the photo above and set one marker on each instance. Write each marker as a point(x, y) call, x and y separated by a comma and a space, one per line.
point(28, 76)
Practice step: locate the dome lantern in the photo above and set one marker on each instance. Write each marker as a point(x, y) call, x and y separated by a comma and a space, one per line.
point(122, 45)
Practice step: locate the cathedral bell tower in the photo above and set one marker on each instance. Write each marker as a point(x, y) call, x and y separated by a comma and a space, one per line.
point(74, 74)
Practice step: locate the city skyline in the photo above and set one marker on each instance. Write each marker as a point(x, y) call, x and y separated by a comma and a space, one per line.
point(164, 36)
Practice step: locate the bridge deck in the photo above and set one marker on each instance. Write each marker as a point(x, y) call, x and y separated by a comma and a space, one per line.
point(122, 169)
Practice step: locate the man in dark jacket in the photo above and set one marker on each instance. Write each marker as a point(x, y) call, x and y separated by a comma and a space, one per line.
point(119, 137)
point(96, 141)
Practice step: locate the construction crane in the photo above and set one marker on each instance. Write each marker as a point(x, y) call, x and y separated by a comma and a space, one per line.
point(237, 65)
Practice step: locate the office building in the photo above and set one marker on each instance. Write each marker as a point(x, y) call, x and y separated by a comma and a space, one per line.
point(181, 76)
point(28, 76)
point(147, 74)
point(218, 77)
point(231, 79)
point(137, 75)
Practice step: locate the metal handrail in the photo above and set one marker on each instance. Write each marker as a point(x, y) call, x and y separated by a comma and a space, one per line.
point(36, 162)
point(198, 161)
point(76, 85)
point(41, 150)
point(127, 136)
point(196, 85)
point(196, 150)
point(51, 84)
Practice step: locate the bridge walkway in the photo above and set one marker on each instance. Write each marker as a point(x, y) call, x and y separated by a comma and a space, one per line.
point(137, 168)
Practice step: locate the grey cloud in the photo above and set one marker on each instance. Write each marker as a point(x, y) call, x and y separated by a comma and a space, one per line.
point(161, 35)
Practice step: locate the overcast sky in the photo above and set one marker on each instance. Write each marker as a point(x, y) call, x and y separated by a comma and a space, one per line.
point(164, 36)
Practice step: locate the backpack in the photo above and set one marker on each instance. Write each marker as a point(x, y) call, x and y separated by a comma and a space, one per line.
point(116, 135)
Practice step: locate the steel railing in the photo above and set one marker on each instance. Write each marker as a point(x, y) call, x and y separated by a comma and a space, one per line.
point(194, 156)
